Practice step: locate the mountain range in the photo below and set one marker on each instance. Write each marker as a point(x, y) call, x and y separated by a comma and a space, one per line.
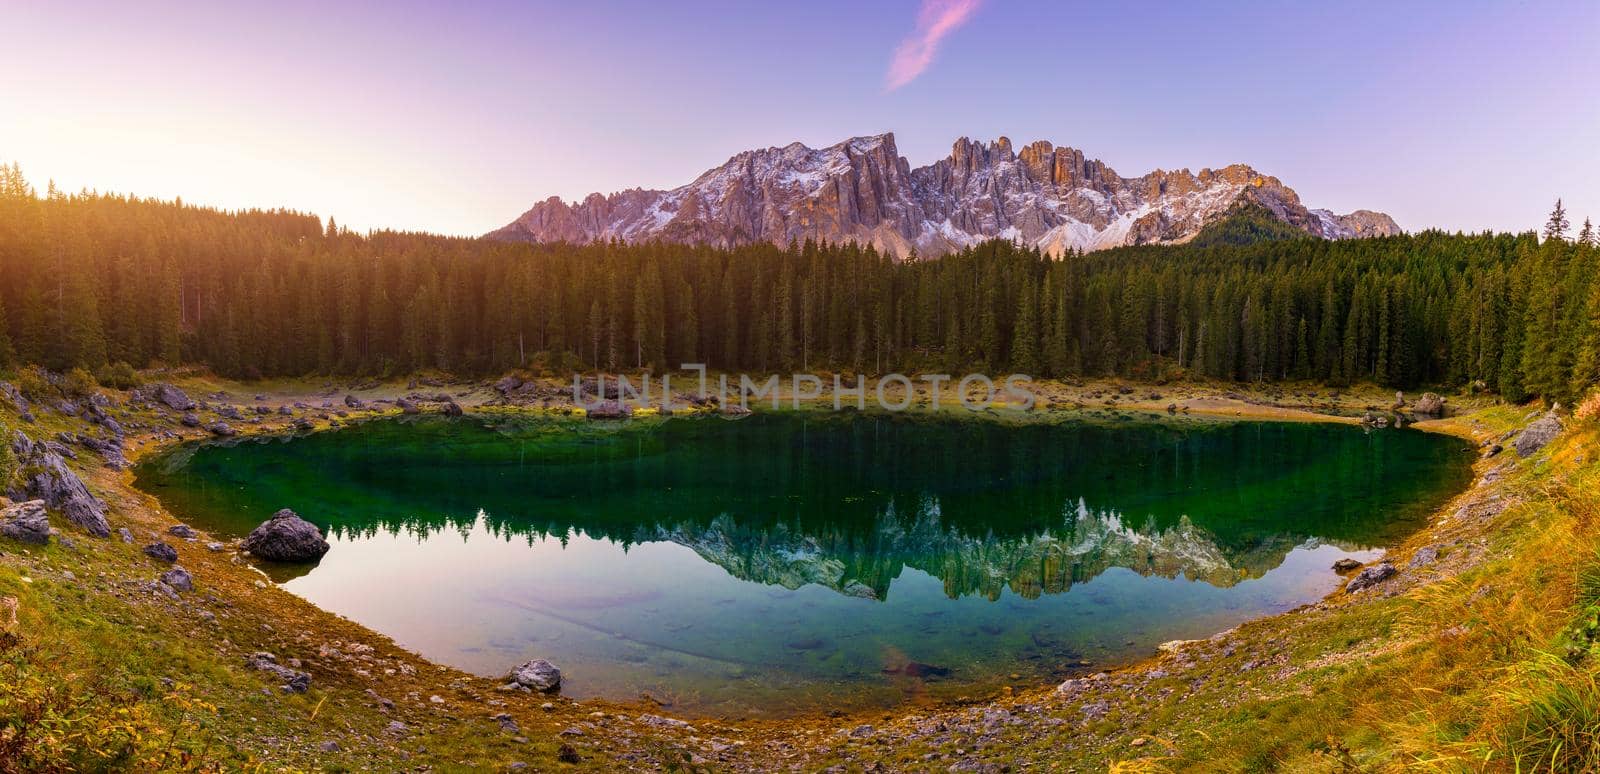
point(862, 190)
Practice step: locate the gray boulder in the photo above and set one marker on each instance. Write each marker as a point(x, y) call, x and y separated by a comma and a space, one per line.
point(190, 419)
point(507, 384)
point(1535, 436)
point(43, 475)
point(538, 675)
point(178, 579)
point(1429, 405)
point(161, 552)
point(407, 406)
point(286, 538)
point(353, 402)
point(168, 395)
point(1424, 556)
point(450, 409)
point(1371, 576)
point(221, 429)
point(26, 523)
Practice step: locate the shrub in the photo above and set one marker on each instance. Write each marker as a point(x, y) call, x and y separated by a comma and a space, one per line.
point(118, 375)
point(35, 384)
point(51, 724)
point(79, 383)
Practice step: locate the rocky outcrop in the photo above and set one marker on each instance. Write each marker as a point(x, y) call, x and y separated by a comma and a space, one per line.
point(42, 474)
point(1534, 437)
point(286, 538)
point(861, 190)
point(26, 523)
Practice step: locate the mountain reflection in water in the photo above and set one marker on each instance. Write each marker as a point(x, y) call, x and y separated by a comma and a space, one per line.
point(835, 555)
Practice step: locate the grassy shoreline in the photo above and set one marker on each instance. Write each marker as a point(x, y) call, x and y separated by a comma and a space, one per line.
point(217, 712)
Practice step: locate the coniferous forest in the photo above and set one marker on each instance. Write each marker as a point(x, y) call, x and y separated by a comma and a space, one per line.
point(95, 280)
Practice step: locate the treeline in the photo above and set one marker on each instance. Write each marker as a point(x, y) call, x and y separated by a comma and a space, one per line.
point(90, 280)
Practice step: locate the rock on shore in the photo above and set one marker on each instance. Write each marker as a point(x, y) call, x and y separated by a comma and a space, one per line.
point(286, 538)
point(538, 675)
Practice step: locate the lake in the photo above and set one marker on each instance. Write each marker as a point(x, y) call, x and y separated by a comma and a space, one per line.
point(793, 562)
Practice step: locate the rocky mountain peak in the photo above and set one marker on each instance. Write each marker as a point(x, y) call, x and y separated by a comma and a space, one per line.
point(862, 190)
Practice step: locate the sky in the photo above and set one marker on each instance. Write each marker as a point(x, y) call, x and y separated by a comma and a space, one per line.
point(455, 118)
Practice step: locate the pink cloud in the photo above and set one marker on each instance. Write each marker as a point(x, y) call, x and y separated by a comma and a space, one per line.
point(936, 19)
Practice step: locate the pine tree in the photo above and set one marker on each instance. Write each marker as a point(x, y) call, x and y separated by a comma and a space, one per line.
point(1556, 226)
point(8, 355)
point(1025, 334)
point(1586, 236)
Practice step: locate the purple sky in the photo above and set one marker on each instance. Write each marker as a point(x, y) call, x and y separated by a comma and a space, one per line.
point(1463, 115)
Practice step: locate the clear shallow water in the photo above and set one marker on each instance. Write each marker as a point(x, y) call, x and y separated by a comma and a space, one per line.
point(795, 562)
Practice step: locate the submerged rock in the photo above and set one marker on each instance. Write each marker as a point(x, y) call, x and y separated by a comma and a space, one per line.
point(1345, 565)
point(538, 674)
point(1535, 436)
point(26, 523)
point(1371, 576)
point(286, 538)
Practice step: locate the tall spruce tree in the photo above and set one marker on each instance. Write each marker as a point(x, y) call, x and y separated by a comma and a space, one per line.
point(1556, 227)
